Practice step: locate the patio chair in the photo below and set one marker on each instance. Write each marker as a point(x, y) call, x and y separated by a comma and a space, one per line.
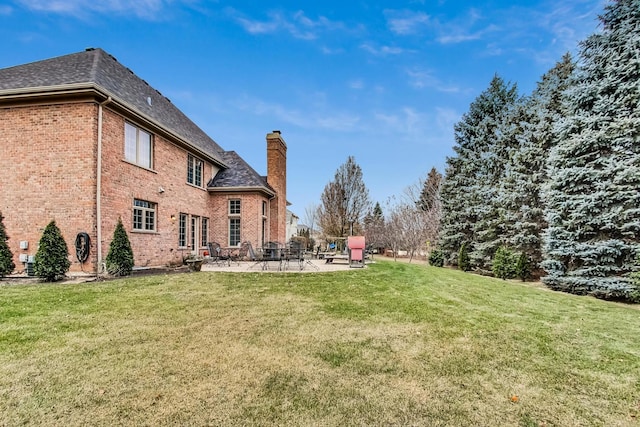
point(215, 251)
point(243, 252)
point(253, 255)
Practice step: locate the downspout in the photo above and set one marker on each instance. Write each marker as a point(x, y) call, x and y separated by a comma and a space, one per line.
point(99, 188)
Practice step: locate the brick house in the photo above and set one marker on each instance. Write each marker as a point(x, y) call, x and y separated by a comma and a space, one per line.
point(84, 141)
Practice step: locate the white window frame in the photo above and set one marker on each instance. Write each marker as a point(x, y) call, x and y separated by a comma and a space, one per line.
point(235, 231)
point(204, 229)
point(182, 230)
point(142, 153)
point(235, 207)
point(144, 215)
point(195, 170)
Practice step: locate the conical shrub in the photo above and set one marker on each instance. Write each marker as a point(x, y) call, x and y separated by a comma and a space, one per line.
point(52, 259)
point(119, 260)
point(6, 256)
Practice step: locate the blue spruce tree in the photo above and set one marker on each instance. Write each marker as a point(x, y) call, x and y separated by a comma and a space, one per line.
point(521, 192)
point(593, 197)
point(471, 176)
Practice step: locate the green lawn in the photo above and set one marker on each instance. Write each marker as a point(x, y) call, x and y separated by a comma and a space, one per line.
point(392, 344)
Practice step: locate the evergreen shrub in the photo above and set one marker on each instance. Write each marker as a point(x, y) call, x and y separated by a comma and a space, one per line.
point(6, 256)
point(119, 261)
point(523, 267)
point(436, 258)
point(464, 262)
point(504, 263)
point(52, 259)
point(634, 295)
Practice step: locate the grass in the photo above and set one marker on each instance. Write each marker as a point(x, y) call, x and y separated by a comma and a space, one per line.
point(393, 344)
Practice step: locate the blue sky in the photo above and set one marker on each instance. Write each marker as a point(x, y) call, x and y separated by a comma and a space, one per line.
point(383, 81)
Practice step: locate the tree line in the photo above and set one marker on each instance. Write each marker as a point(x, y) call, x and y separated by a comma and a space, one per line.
point(555, 175)
point(541, 185)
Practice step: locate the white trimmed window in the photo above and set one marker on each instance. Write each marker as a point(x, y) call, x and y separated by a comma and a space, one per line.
point(234, 231)
point(138, 146)
point(144, 215)
point(205, 232)
point(195, 168)
point(234, 207)
point(234, 222)
point(182, 231)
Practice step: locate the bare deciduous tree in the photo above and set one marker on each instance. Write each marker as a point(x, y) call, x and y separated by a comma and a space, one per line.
point(311, 216)
point(412, 225)
point(344, 201)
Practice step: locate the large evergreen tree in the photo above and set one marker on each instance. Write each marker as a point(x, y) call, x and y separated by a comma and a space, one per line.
point(526, 172)
point(471, 176)
point(593, 197)
point(6, 256)
point(492, 229)
point(430, 194)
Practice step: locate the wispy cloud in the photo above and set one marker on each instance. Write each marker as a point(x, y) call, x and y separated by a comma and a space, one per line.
point(357, 84)
point(297, 24)
point(570, 21)
point(382, 50)
point(5, 10)
point(423, 79)
point(406, 22)
point(469, 26)
point(312, 119)
point(545, 32)
point(146, 9)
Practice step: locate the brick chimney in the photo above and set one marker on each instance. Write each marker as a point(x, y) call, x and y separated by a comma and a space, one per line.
point(277, 179)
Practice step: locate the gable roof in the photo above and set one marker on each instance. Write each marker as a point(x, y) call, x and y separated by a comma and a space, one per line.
point(239, 176)
point(96, 69)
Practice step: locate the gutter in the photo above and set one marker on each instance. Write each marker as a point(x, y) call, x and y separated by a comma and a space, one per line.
point(265, 190)
point(99, 187)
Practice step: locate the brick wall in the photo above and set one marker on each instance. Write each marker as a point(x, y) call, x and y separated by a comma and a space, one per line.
point(122, 182)
point(47, 172)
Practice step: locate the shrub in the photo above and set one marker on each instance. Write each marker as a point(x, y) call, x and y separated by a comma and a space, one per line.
point(6, 256)
point(119, 261)
point(464, 263)
point(436, 258)
point(634, 295)
point(504, 263)
point(523, 267)
point(52, 259)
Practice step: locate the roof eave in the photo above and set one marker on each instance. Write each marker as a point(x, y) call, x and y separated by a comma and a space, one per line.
point(259, 189)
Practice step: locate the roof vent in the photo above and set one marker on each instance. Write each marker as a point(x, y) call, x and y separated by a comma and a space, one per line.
point(149, 100)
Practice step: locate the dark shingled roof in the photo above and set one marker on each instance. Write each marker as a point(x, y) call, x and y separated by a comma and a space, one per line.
point(239, 175)
point(97, 67)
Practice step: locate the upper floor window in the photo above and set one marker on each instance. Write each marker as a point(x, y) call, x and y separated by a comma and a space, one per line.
point(138, 146)
point(234, 207)
point(195, 168)
point(144, 215)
